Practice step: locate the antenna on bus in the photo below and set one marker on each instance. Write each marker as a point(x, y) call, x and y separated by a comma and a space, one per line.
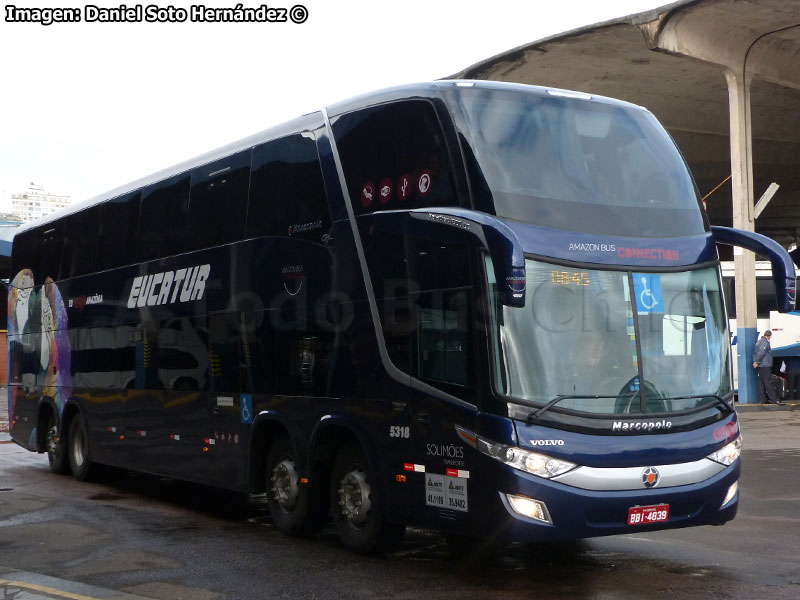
point(719, 185)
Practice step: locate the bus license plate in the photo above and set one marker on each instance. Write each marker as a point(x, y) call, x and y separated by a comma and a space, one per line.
point(643, 515)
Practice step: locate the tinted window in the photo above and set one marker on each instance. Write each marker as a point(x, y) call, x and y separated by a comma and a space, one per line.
point(394, 156)
point(50, 241)
point(93, 357)
point(80, 247)
point(295, 357)
point(287, 196)
point(223, 350)
point(218, 203)
point(423, 289)
point(118, 221)
point(576, 165)
point(24, 251)
point(163, 218)
point(183, 354)
point(765, 297)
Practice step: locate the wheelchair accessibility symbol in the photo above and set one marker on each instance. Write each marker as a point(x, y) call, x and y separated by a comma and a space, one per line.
point(649, 297)
point(247, 408)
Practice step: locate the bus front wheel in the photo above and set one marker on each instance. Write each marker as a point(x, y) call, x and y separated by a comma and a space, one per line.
point(297, 506)
point(78, 444)
point(356, 512)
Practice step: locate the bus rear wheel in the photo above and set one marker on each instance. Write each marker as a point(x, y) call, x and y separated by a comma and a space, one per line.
point(356, 509)
point(59, 463)
point(78, 445)
point(297, 508)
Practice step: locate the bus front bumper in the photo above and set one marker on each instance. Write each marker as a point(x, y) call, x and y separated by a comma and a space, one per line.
point(575, 513)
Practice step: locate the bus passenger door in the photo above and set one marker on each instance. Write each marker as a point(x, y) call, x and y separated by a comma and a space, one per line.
point(427, 328)
point(444, 360)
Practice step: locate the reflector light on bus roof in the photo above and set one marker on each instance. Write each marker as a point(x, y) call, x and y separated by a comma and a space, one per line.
point(465, 84)
point(563, 94)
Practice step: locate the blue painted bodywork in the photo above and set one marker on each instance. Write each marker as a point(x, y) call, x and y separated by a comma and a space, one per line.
point(318, 420)
point(508, 255)
point(787, 351)
point(783, 271)
point(582, 248)
point(581, 513)
point(620, 450)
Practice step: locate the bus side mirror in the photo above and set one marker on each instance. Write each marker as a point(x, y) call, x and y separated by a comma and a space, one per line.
point(448, 224)
point(783, 273)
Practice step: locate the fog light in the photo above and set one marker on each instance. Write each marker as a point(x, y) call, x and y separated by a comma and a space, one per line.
point(731, 493)
point(528, 507)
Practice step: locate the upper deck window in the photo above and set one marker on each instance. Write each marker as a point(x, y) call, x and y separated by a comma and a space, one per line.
point(576, 165)
point(394, 157)
point(80, 255)
point(287, 195)
point(118, 219)
point(162, 221)
point(218, 202)
point(50, 242)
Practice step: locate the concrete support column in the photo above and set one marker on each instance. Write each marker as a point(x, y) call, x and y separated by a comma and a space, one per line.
point(744, 260)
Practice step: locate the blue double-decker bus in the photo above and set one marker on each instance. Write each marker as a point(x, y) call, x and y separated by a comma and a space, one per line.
point(488, 309)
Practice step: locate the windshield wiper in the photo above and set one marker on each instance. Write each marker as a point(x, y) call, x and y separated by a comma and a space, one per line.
point(538, 413)
point(535, 415)
point(728, 408)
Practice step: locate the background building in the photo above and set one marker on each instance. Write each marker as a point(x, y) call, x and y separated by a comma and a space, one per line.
point(35, 202)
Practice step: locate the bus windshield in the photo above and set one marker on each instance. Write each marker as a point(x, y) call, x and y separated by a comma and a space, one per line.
point(596, 338)
point(576, 165)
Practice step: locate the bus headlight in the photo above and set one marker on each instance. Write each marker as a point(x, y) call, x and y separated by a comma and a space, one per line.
point(728, 455)
point(525, 460)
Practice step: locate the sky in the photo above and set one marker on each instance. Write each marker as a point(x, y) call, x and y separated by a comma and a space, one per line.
point(86, 107)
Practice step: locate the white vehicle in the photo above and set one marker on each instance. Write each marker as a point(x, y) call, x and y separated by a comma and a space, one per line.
point(785, 327)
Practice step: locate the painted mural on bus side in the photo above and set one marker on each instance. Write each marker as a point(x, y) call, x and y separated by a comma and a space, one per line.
point(45, 355)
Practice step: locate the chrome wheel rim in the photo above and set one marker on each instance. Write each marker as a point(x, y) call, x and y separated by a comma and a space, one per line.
point(52, 439)
point(284, 484)
point(79, 448)
point(354, 501)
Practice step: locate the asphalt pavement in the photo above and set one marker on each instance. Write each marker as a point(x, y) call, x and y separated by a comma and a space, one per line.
point(129, 536)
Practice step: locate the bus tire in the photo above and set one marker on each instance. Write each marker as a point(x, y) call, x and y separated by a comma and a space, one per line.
point(296, 508)
point(56, 456)
point(78, 445)
point(356, 509)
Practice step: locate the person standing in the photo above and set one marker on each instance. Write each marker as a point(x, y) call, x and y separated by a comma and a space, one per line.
point(762, 360)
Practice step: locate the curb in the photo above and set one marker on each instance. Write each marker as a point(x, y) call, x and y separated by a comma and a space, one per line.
point(793, 405)
point(42, 587)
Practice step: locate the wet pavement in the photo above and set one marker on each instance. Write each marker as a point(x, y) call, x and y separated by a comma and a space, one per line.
point(153, 538)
